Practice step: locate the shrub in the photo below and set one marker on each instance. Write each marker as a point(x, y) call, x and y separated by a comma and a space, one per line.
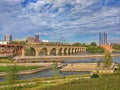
point(94, 75)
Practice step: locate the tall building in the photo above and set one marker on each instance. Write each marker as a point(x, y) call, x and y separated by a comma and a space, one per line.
point(8, 38)
point(103, 38)
point(37, 38)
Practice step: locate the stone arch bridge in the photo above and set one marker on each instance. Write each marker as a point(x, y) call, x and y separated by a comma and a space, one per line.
point(38, 50)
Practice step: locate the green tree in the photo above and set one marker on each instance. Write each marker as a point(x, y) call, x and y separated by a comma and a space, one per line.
point(19, 42)
point(11, 77)
point(55, 69)
point(116, 47)
point(79, 44)
point(94, 49)
point(107, 59)
point(93, 44)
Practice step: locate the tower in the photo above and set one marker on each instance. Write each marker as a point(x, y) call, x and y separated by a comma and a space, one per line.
point(8, 38)
point(102, 38)
point(37, 38)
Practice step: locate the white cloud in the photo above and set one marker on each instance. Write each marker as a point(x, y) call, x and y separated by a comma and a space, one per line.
point(57, 17)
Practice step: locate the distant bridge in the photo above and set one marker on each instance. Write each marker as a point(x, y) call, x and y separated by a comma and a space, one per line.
point(38, 50)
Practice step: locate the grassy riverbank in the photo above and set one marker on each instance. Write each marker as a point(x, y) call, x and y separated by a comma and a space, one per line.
point(5, 61)
point(105, 82)
point(18, 68)
point(76, 82)
point(42, 83)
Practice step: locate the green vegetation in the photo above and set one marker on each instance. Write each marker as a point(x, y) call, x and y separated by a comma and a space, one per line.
point(18, 68)
point(105, 82)
point(78, 44)
point(107, 59)
point(5, 61)
point(94, 75)
point(91, 48)
point(30, 52)
point(55, 69)
point(11, 77)
point(19, 42)
point(74, 82)
point(41, 83)
point(95, 49)
point(116, 47)
point(111, 83)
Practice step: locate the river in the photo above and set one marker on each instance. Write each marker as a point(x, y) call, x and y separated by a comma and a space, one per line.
point(49, 73)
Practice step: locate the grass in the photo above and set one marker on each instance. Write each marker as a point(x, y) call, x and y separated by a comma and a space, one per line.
point(18, 68)
point(43, 82)
point(111, 83)
point(106, 82)
point(5, 61)
point(75, 82)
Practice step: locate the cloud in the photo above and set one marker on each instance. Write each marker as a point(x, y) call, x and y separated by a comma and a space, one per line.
point(56, 18)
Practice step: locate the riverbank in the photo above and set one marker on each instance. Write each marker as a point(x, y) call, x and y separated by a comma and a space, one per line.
point(56, 58)
point(42, 67)
point(105, 82)
point(25, 72)
point(74, 82)
point(39, 67)
point(41, 83)
point(26, 64)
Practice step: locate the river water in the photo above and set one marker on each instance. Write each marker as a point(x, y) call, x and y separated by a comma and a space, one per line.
point(50, 72)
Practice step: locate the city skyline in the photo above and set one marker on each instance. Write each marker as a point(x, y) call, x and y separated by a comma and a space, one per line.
point(75, 20)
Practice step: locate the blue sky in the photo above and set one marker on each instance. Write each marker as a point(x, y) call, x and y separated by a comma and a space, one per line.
point(75, 20)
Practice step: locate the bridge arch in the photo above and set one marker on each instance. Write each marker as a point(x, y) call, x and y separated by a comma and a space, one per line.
point(65, 51)
point(30, 51)
point(69, 51)
point(53, 52)
point(76, 49)
point(43, 52)
point(73, 50)
point(60, 51)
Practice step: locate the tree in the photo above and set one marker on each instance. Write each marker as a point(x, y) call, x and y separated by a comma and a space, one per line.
point(116, 47)
point(107, 59)
point(11, 77)
point(94, 49)
point(93, 44)
point(55, 69)
point(77, 44)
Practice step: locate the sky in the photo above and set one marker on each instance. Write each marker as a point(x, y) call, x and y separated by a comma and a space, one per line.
point(74, 20)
